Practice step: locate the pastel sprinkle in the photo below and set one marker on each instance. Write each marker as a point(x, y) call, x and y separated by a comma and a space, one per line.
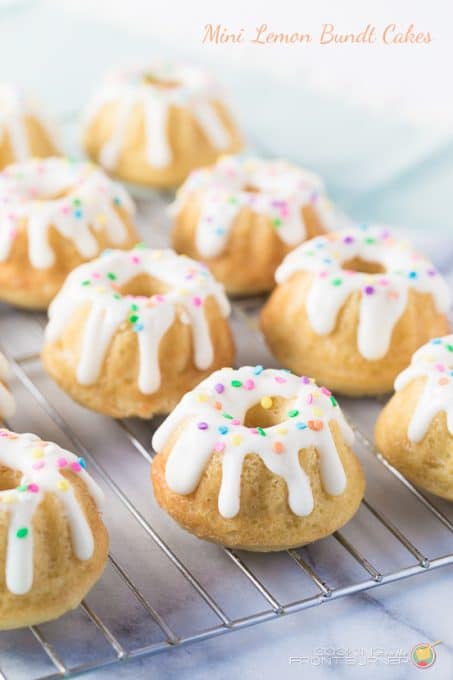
point(219, 447)
point(278, 447)
point(249, 384)
point(315, 425)
point(266, 402)
point(222, 429)
point(22, 532)
point(236, 439)
point(236, 383)
point(219, 388)
point(203, 426)
point(63, 485)
point(293, 413)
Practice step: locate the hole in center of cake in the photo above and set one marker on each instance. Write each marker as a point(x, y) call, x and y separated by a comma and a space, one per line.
point(162, 83)
point(267, 413)
point(9, 479)
point(143, 285)
point(358, 264)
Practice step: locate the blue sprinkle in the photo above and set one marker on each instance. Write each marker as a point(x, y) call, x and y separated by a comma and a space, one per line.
point(105, 252)
point(363, 226)
point(219, 231)
point(258, 370)
point(436, 341)
point(412, 275)
point(301, 426)
point(78, 213)
point(82, 463)
point(117, 201)
point(222, 429)
point(327, 260)
point(138, 327)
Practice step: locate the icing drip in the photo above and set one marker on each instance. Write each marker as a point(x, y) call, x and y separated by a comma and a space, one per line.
point(98, 283)
point(213, 416)
point(129, 89)
point(7, 403)
point(14, 108)
point(87, 207)
point(433, 361)
point(383, 297)
point(40, 464)
point(275, 189)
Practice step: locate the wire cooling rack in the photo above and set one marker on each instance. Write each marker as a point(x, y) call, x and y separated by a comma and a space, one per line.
point(162, 587)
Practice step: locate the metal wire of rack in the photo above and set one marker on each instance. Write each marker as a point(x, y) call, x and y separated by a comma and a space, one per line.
point(316, 577)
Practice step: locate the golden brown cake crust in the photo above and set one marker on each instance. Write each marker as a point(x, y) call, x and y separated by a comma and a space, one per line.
point(334, 359)
point(40, 144)
point(428, 463)
point(253, 251)
point(60, 580)
point(265, 522)
point(189, 144)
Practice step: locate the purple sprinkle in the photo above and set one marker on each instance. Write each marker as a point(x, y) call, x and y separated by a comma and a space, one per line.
point(305, 380)
point(203, 426)
point(369, 290)
point(348, 239)
point(431, 272)
point(219, 388)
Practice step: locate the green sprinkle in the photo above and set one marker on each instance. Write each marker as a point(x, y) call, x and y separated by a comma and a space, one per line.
point(236, 383)
point(277, 222)
point(111, 276)
point(134, 307)
point(86, 282)
point(140, 246)
point(336, 282)
point(22, 532)
point(370, 240)
point(261, 431)
point(293, 413)
point(117, 296)
point(227, 415)
point(77, 201)
point(133, 318)
point(22, 487)
point(449, 347)
point(334, 401)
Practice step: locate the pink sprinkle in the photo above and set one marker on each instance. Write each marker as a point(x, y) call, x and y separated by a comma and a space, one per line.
point(310, 398)
point(96, 275)
point(280, 379)
point(440, 367)
point(219, 446)
point(325, 391)
point(197, 301)
point(249, 385)
point(235, 422)
point(76, 467)
point(135, 259)
point(65, 209)
point(159, 297)
point(38, 465)
point(33, 488)
point(62, 462)
point(253, 430)
point(384, 282)
point(323, 274)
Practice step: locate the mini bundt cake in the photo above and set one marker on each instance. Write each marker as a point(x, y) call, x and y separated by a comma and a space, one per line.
point(154, 125)
point(258, 460)
point(129, 333)
point(7, 403)
point(53, 543)
point(351, 307)
point(54, 215)
point(415, 429)
point(24, 131)
point(243, 215)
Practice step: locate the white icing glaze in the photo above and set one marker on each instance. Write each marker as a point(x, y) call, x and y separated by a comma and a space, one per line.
point(97, 283)
point(383, 297)
point(14, 107)
point(128, 89)
point(30, 190)
point(40, 465)
point(7, 403)
point(280, 190)
point(434, 362)
point(213, 414)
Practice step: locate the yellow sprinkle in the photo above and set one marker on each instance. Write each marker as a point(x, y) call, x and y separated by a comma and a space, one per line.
point(266, 402)
point(63, 485)
point(236, 439)
point(101, 218)
point(37, 453)
point(315, 394)
point(202, 397)
point(8, 498)
point(100, 289)
point(282, 430)
point(318, 412)
point(182, 291)
point(156, 254)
